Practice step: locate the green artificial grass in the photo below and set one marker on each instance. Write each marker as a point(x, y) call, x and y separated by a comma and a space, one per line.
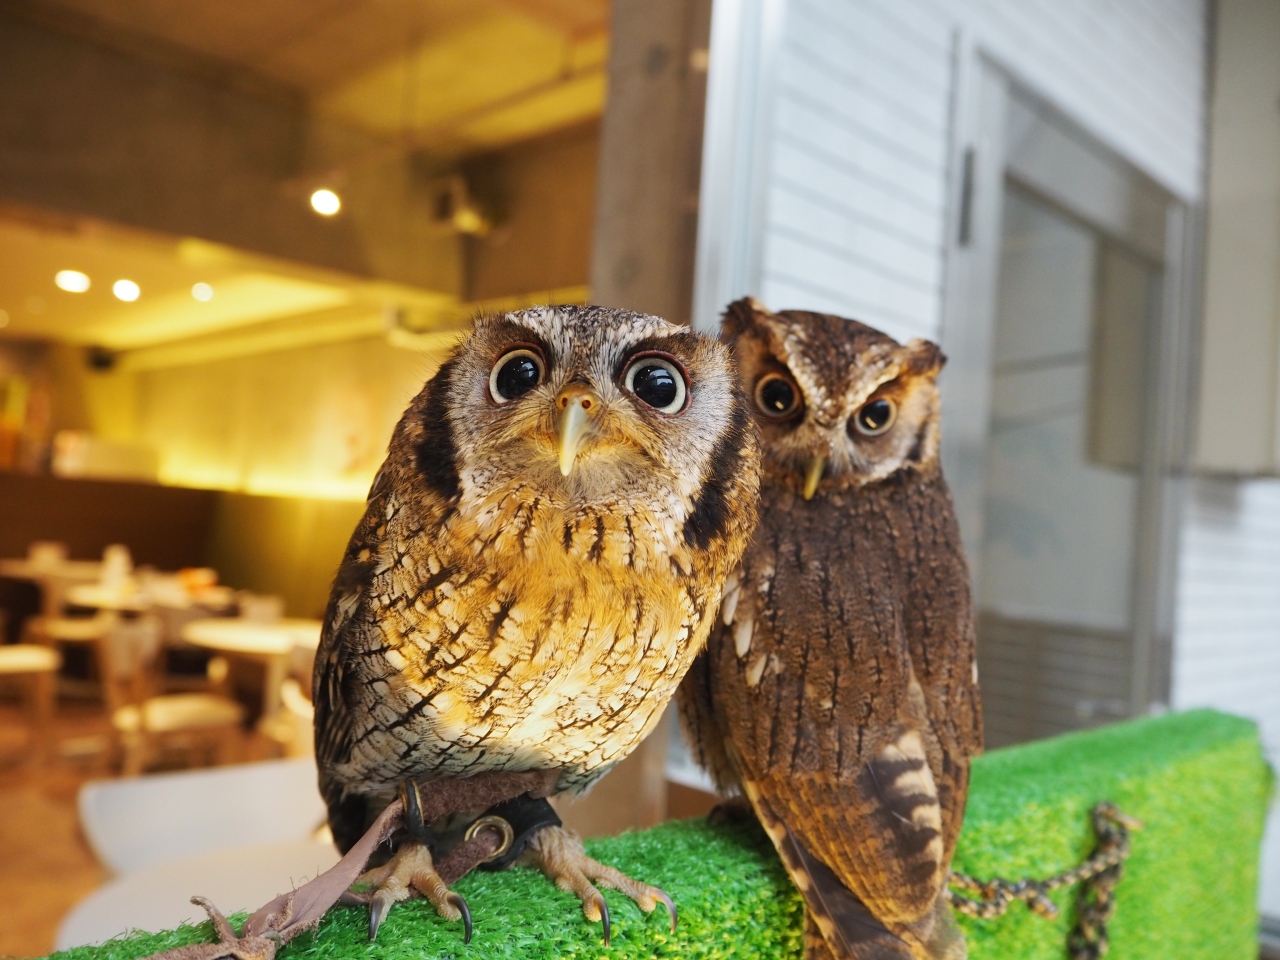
point(1197, 780)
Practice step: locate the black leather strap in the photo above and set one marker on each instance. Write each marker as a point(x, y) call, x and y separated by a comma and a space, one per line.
point(416, 827)
point(527, 816)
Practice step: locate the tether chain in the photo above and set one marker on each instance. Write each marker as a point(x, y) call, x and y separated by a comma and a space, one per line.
point(1095, 901)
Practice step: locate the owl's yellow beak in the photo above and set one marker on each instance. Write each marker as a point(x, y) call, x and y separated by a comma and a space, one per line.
point(813, 475)
point(576, 405)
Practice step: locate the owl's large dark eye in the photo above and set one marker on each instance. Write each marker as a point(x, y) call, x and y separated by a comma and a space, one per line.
point(658, 381)
point(777, 396)
point(875, 417)
point(515, 374)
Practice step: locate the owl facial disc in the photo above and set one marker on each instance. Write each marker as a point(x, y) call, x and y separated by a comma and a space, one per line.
point(576, 405)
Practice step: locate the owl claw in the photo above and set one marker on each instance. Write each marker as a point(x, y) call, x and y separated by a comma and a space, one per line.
point(559, 854)
point(377, 910)
point(411, 873)
point(460, 904)
point(603, 909)
point(666, 901)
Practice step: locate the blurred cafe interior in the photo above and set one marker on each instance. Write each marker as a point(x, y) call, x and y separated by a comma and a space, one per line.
point(237, 236)
point(235, 239)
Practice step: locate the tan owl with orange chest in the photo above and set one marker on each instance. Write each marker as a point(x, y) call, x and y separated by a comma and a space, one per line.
point(541, 558)
point(839, 689)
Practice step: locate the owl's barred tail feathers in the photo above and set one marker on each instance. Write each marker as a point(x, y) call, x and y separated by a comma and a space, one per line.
point(838, 926)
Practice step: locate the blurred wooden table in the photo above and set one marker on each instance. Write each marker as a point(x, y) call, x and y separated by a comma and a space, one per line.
point(54, 579)
point(271, 644)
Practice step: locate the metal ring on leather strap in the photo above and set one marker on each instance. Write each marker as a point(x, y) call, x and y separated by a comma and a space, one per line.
point(504, 829)
point(526, 815)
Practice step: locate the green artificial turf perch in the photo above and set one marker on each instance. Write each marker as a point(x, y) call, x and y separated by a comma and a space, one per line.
point(1197, 780)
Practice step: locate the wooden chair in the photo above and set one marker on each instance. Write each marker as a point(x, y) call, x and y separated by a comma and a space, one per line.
point(38, 666)
point(144, 720)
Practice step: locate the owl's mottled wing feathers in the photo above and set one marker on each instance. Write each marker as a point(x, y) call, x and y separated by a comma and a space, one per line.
point(938, 611)
point(837, 923)
point(421, 443)
point(849, 694)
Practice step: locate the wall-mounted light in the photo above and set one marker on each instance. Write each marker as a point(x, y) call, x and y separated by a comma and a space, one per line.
point(202, 292)
point(72, 281)
point(4, 318)
point(325, 202)
point(126, 290)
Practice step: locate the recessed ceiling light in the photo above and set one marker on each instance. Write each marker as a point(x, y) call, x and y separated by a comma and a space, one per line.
point(325, 202)
point(72, 281)
point(126, 290)
point(202, 292)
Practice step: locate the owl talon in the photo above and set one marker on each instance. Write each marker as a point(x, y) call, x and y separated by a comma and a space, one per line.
point(559, 854)
point(377, 910)
point(458, 903)
point(602, 908)
point(667, 902)
point(411, 873)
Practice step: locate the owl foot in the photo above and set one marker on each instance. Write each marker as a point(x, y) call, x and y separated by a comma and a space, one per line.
point(736, 809)
point(408, 873)
point(559, 854)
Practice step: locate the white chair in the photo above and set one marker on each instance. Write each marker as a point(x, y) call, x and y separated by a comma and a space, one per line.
point(238, 835)
point(37, 666)
point(293, 727)
point(158, 897)
point(145, 721)
point(144, 821)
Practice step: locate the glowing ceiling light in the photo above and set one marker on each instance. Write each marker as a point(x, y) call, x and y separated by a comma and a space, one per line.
point(126, 290)
point(72, 281)
point(202, 292)
point(325, 202)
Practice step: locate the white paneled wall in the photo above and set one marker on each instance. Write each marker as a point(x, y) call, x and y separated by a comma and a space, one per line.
point(856, 206)
point(1227, 644)
point(856, 197)
point(857, 185)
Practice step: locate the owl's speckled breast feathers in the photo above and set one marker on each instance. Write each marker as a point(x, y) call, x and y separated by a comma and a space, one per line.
point(838, 689)
point(495, 612)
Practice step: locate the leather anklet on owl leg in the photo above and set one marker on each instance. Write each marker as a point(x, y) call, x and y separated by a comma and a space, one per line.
point(559, 854)
point(410, 872)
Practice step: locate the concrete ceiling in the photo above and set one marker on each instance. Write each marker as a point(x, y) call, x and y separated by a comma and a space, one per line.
point(314, 45)
point(443, 76)
point(247, 289)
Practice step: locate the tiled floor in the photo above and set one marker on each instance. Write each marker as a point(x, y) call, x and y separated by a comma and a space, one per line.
point(45, 865)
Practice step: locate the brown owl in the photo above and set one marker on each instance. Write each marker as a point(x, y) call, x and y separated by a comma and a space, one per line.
point(838, 691)
point(542, 557)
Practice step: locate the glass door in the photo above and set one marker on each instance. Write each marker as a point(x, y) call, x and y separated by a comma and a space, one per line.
point(1062, 472)
point(1061, 416)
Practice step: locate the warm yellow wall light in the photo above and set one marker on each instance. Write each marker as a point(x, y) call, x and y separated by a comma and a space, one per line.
point(325, 202)
point(126, 290)
point(72, 281)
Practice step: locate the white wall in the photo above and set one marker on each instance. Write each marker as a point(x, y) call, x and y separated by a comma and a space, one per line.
point(856, 198)
point(855, 208)
point(1227, 642)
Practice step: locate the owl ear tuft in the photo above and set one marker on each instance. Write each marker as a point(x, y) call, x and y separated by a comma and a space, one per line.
point(922, 358)
point(741, 316)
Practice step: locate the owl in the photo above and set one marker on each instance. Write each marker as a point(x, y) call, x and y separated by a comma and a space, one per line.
point(838, 691)
point(541, 558)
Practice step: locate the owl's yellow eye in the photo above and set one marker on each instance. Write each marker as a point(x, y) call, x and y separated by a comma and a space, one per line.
point(777, 396)
point(875, 417)
point(515, 374)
